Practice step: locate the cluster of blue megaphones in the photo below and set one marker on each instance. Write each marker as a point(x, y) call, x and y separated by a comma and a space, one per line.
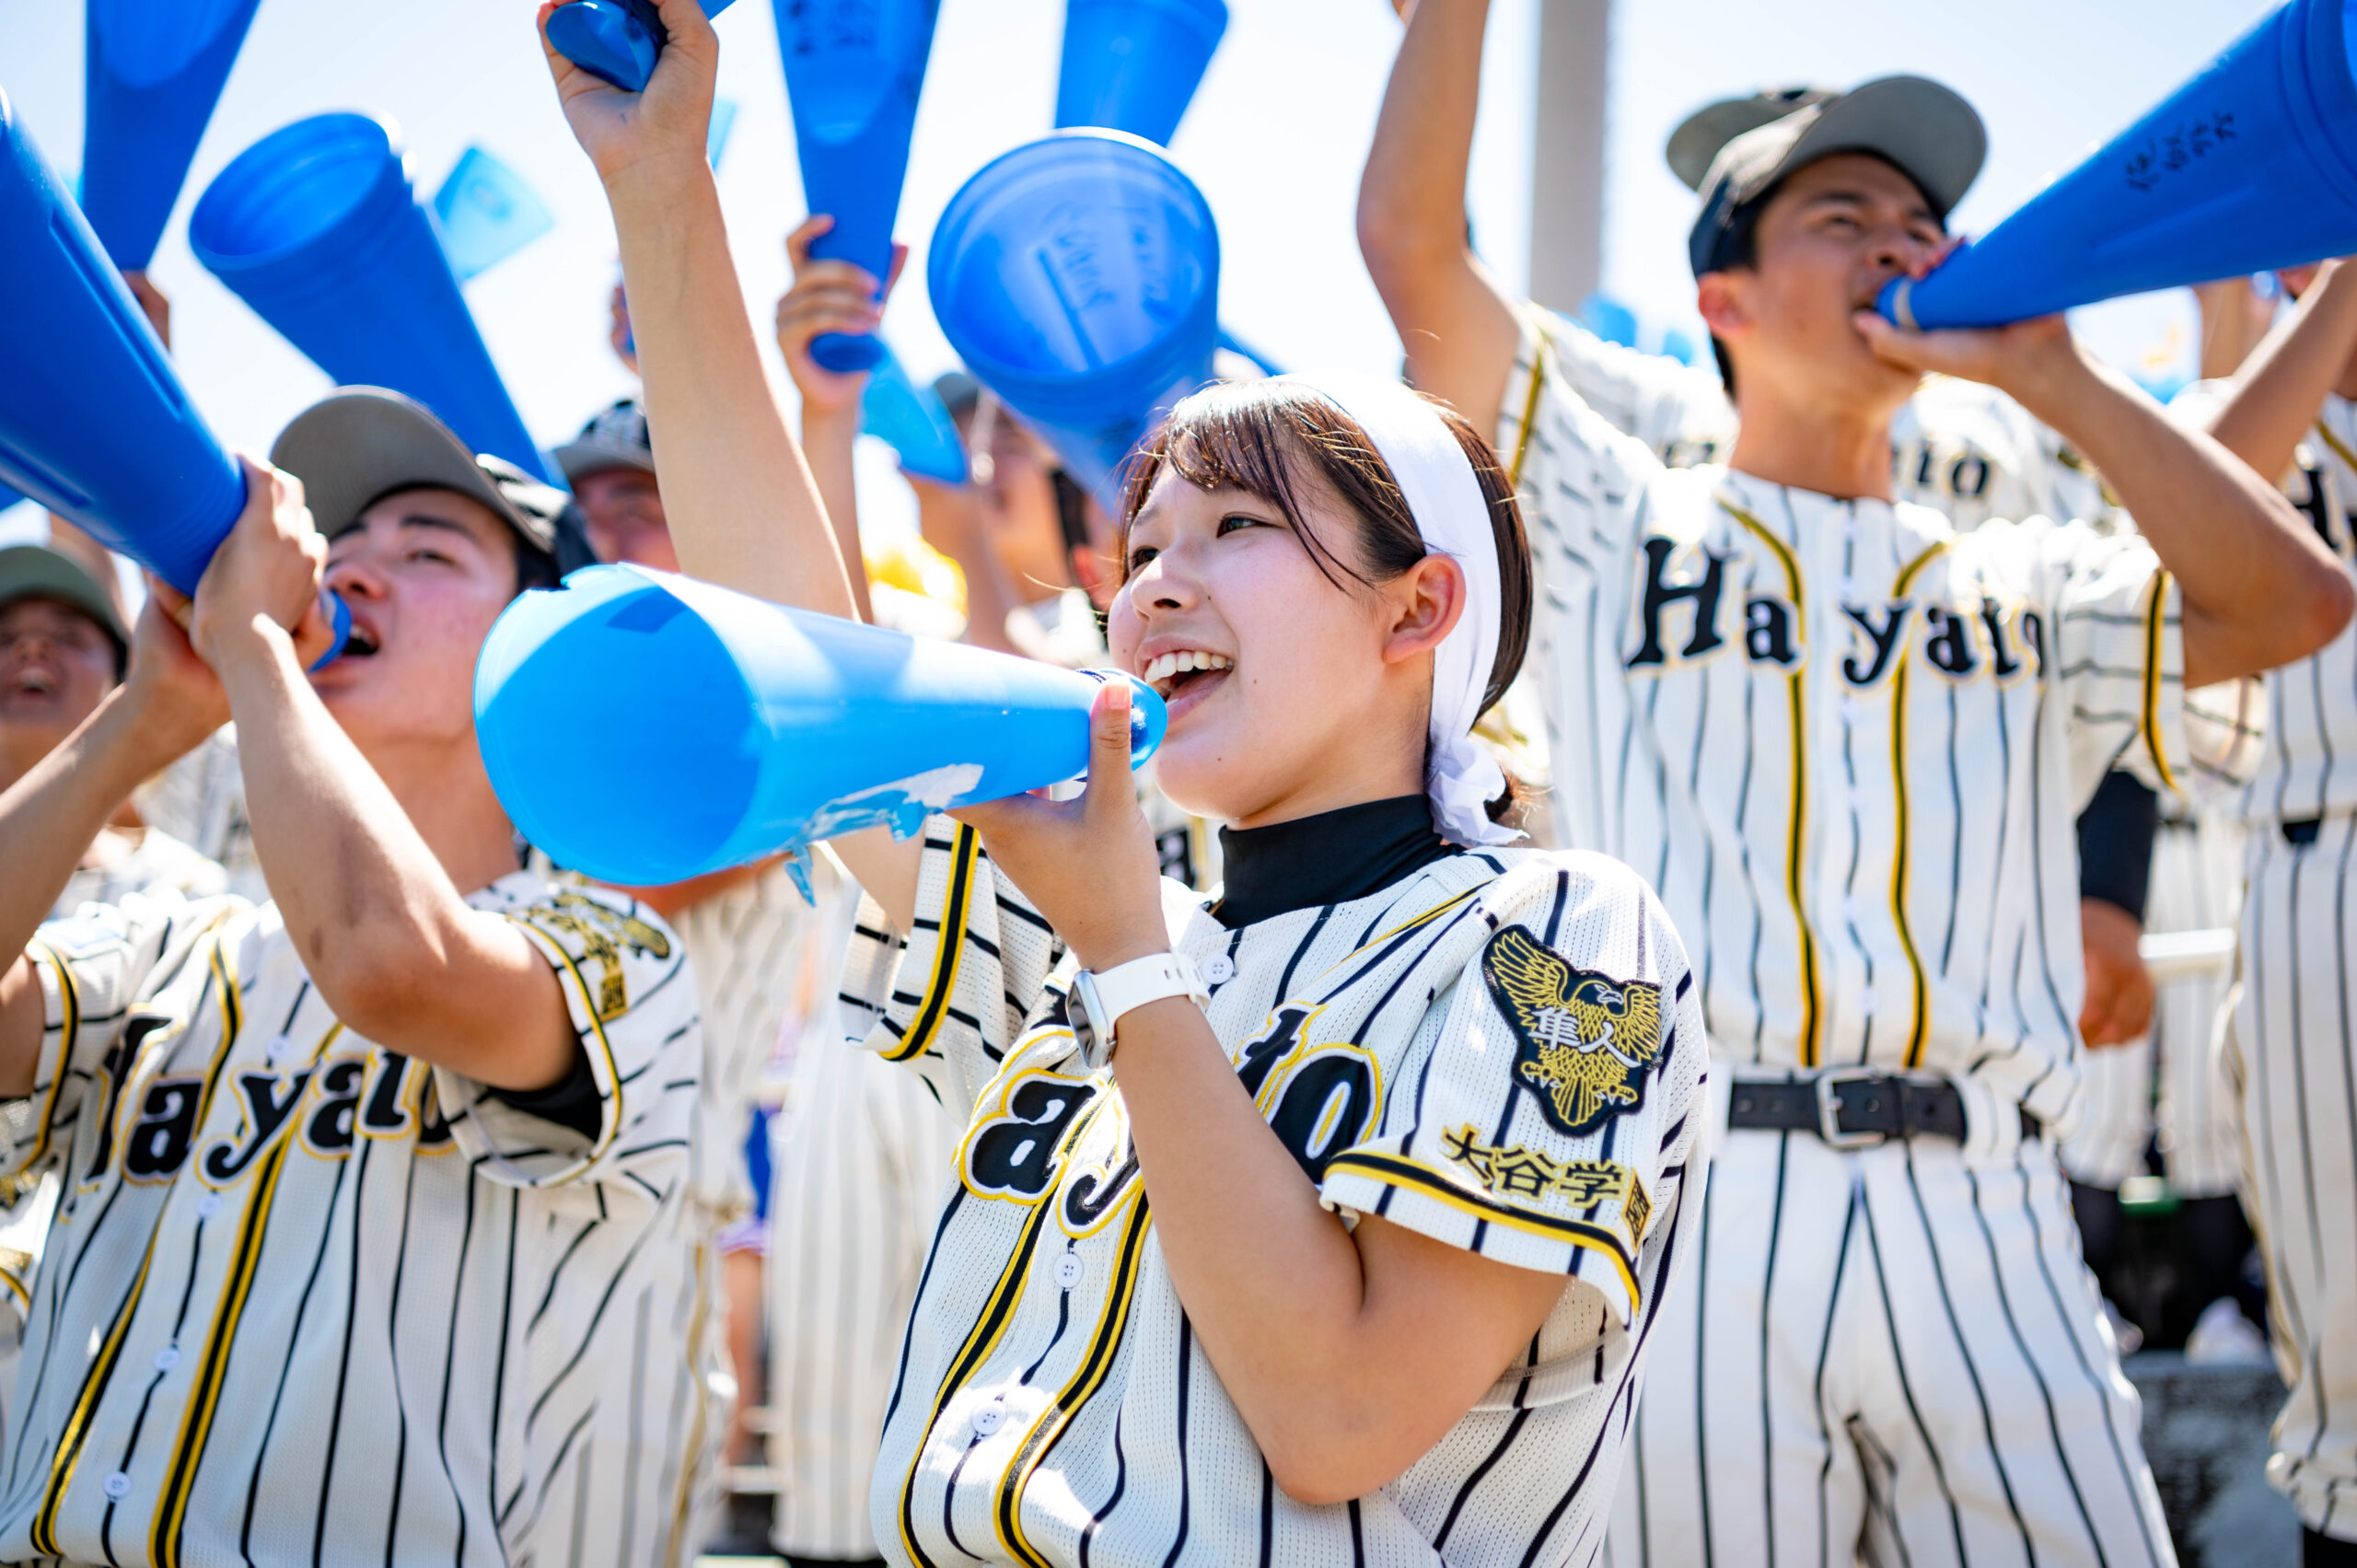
point(1077, 277)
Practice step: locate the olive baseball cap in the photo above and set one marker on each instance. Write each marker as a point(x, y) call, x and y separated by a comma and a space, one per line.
point(361, 444)
point(36, 570)
point(1925, 131)
point(616, 438)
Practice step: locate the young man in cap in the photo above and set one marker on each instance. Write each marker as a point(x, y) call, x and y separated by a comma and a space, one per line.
point(1846, 743)
point(348, 1178)
point(2289, 1052)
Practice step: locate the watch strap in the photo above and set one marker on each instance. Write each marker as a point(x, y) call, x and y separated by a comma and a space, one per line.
point(1125, 987)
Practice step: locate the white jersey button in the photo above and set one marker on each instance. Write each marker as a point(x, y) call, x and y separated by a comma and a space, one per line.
point(168, 1358)
point(118, 1485)
point(1867, 1001)
point(1068, 1268)
point(278, 1048)
point(990, 1418)
point(1219, 968)
point(208, 1205)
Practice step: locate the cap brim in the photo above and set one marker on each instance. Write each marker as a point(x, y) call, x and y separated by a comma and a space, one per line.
point(36, 571)
point(1695, 145)
point(1927, 131)
point(365, 442)
point(594, 455)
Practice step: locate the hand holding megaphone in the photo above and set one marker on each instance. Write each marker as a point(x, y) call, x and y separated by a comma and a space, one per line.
point(2003, 357)
point(828, 297)
point(669, 113)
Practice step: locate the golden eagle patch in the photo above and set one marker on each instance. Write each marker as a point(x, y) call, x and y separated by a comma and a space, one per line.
point(1583, 1044)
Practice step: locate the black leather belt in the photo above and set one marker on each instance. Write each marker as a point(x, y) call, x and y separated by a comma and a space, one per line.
point(1852, 1108)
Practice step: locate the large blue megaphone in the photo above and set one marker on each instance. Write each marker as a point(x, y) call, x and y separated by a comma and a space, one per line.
point(752, 728)
point(315, 226)
point(2250, 166)
point(852, 72)
point(1078, 279)
point(94, 423)
point(616, 41)
point(1133, 65)
point(152, 72)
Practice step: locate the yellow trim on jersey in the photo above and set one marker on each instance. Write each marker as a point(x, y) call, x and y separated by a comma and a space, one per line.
point(17, 1288)
point(1530, 400)
point(1920, 988)
point(62, 1464)
point(2339, 448)
point(1797, 840)
point(950, 954)
point(1393, 1170)
point(684, 1503)
point(213, 1370)
point(1112, 1322)
point(2153, 619)
point(612, 1125)
point(71, 1028)
point(990, 1328)
point(1408, 925)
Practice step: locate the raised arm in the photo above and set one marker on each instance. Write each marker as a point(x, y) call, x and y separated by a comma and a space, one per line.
point(744, 510)
point(831, 296)
point(2259, 587)
point(1457, 325)
point(168, 705)
point(2276, 396)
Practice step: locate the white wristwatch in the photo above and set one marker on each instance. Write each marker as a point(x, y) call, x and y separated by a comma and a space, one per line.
point(1098, 1001)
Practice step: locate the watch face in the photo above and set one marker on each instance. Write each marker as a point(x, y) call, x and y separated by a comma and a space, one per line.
point(1082, 1013)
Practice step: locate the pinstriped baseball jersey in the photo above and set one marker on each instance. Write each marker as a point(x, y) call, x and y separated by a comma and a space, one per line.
point(289, 1305)
point(149, 862)
point(1844, 743)
point(2308, 767)
point(1966, 450)
point(1433, 1053)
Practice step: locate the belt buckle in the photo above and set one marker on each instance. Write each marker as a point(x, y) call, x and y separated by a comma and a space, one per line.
point(1828, 1109)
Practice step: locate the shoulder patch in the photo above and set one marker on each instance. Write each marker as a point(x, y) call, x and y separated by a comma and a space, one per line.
point(1583, 1042)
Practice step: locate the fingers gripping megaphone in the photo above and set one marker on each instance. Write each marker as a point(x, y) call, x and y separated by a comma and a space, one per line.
point(616, 40)
point(1078, 279)
point(317, 227)
point(728, 728)
point(2250, 166)
point(854, 69)
point(94, 423)
point(152, 72)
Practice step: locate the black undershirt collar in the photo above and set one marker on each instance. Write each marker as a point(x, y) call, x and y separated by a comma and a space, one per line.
point(1330, 858)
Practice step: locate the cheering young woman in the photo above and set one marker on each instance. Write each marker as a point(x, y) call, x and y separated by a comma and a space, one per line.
point(1322, 1222)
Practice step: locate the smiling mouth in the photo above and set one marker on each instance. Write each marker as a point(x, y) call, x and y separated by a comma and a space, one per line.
point(32, 683)
point(1171, 674)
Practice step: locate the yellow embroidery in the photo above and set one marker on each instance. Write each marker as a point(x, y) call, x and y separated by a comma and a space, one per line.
point(603, 932)
point(1510, 1170)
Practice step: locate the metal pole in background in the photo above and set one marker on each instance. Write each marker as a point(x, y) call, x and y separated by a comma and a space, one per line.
point(1567, 152)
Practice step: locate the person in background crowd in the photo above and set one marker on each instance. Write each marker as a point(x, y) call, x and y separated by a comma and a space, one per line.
point(2290, 1051)
point(743, 928)
point(1847, 741)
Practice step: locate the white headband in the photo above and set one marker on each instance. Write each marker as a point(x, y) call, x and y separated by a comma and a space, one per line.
point(1446, 499)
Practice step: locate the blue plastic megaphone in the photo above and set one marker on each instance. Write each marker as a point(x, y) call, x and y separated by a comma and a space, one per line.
point(615, 40)
point(1078, 279)
point(94, 423)
point(752, 728)
point(485, 214)
point(914, 421)
point(2250, 166)
point(852, 72)
point(152, 72)
point(315, 226)
point(1135, 64)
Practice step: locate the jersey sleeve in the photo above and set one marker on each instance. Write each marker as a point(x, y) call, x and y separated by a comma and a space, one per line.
point(950, 998)
point(1679, 414)
point(630, 1000)
point(95, 968)
point(1548, 1116)
point(2119, 657)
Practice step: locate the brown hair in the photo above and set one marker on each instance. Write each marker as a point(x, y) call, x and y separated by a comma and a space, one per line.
point(1260, 437)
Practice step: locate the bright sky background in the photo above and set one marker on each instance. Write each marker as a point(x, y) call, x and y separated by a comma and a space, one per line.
point(1275, 138)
